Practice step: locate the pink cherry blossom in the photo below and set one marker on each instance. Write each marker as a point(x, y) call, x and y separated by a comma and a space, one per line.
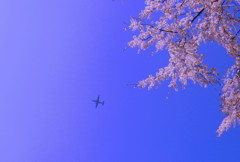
point(181, 27)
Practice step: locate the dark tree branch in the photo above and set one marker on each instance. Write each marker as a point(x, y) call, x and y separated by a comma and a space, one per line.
point(199, 13)
point(223, 2)
point(161, 29)
point(237, 32)
point(168, 31)
point(182, 3)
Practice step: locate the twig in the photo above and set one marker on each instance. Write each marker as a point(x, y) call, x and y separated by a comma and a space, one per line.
point(199, 13)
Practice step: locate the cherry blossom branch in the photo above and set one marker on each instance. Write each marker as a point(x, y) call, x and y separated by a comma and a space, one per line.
point(237, 32)
point(199, 13)
point(182, 3)
point(160, 29)
point(177, 32)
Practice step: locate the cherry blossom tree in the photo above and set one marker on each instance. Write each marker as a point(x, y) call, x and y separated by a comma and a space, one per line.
point(180, 27)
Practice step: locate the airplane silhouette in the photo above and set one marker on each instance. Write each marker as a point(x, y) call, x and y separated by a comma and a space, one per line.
point(98, 102)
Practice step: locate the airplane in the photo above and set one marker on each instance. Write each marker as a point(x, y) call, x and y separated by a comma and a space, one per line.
point(98, 102)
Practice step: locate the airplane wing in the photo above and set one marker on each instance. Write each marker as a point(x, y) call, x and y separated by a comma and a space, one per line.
point(97, 104)
point(98, 98)
point(97, 101)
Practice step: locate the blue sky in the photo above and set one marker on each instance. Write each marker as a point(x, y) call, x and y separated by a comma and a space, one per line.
point(56, 56)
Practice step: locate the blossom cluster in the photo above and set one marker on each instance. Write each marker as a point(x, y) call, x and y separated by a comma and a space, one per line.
point(181, 27)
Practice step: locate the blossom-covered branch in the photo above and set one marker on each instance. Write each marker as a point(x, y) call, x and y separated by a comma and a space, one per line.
point(180, 28)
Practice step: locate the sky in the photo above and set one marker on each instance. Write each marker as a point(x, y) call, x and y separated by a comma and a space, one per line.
point(59, 55)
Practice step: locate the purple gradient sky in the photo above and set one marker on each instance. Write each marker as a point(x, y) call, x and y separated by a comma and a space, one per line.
point(58, 55)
